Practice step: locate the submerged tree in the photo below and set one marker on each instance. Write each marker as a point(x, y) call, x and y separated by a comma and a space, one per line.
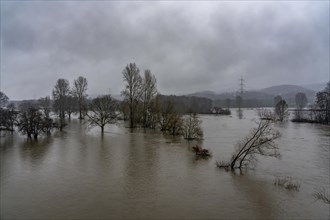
point(46, 105)
point(301, 100)
point(149, 92)
point(102, 111)
point(32, 122)
point(132, 91)
point(60, 93)
point(3, 99)
point(277, 99)
point(8, 114)
point(70, 105)
point(259, 141)
point(281, 110)
point(8, 118)
point(323, 103)
point(169, 120)
point(155, 108)
point(191, 127)
point(79, 91)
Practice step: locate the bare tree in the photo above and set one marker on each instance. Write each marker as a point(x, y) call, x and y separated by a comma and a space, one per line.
point(169, 120)
point(301, 100)
point(45, 104)
point(191, 127)
point(281, 110)
point(323, 104)
point(259, 141)
point(132, 91)
point(155, 108)
point(323, 98)
point(3, 99)
point(32, 122)
point(60, 92)
point(8, 118)
point(102, 111)
point(7, 115)
point(149, 92)
point(277, 99)
point(79, 91)
point(71, 105)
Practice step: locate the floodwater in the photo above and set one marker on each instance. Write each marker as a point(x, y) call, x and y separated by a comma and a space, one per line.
point(124, 174)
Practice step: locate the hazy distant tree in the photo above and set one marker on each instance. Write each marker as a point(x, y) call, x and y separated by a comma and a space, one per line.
point(3, 99)
point(281, 110)
point(79, 91)
point(45, 104)
point(7, 115)
point(323, 98)
point(132, 91)
point(32, 122)
point(323, 102)
point(259, 141)
point(277, 99)
point(102, 111)
point(8, 118)
point(60, 93)
point(301, 100)
point(149, 92)
point(191, 127)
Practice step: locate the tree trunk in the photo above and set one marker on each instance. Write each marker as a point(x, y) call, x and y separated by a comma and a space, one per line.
point(131, 117)
point(232, 164)
point(102, 129)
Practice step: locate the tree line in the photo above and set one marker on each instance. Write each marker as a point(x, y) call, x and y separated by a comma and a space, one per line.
point(318, 112)
point(142, 106)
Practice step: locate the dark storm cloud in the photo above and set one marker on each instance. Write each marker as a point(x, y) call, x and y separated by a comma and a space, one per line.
point(189, 46)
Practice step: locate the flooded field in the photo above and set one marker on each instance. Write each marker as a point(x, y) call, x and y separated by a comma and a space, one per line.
point(79, 174)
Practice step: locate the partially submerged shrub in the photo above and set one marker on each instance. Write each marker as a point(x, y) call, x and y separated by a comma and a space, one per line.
point(322, 195)
point(199, 151)
point(287, 183)
point(191, 127)
point(223, 165)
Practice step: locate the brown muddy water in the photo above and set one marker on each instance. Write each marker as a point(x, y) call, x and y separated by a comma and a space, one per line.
point(79, 174)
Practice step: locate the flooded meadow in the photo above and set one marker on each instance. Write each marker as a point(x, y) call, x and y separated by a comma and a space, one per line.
point(144, 174)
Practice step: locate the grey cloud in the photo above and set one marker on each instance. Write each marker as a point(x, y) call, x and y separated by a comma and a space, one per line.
point(189, 46)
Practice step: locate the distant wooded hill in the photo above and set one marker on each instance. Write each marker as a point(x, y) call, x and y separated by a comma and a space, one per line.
point(259, 98)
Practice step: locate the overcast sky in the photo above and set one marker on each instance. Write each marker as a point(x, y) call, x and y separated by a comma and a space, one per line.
point(188, 46)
